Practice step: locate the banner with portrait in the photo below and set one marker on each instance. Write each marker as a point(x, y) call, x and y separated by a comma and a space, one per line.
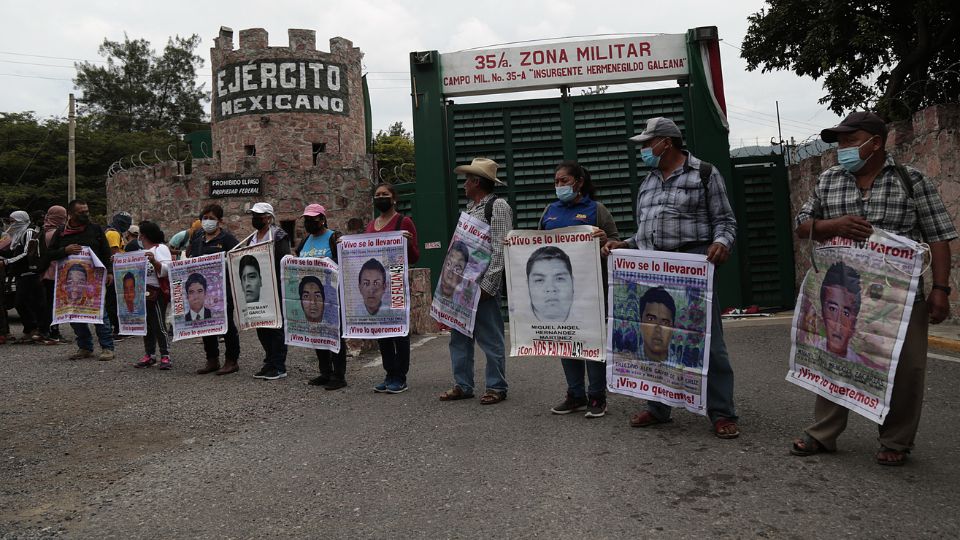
point(458, 289)
point(255, 295)
point(79, 288)
point(130, 283)
point(659, 326)
point(555, 293)
point(311, 302)
point(374, 288)
point(198, 296)
point(851, 319)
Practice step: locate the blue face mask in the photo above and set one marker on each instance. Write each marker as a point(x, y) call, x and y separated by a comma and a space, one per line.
point(650, 160)
point(566, 193)
point(849, 158)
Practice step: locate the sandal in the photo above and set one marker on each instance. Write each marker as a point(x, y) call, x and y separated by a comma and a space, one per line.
point(890, 457)
point(726, 428)
point(455, 394)
point(646, 419)
point(808, 446)
point(492, 397)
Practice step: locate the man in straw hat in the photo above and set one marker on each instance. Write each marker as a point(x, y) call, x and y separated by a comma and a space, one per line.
point(481, 179)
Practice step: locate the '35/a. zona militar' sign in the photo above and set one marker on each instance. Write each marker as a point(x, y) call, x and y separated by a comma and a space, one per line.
point(576, 63)
point(271, 86)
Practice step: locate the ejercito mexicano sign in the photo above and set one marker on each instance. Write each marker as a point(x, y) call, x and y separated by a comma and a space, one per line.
point(276, 86)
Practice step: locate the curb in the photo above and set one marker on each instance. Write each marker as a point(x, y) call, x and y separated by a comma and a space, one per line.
point(938, 342)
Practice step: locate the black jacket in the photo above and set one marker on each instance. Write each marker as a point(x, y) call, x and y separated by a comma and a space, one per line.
point(91, 236)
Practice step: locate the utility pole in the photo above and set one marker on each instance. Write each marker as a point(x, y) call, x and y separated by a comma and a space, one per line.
point(779, 132)
point(72, 152)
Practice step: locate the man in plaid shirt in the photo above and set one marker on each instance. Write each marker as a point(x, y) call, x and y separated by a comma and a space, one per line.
point(488, 329)
point(867, 190)
point(676, 212)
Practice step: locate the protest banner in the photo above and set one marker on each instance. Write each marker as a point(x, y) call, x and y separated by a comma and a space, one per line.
point(374, 289)
point(255, 294)
point(130, 280)
point(458, 289)
point(555, 293)
point(198, 294)
point(79, 288)
point(851, 319)
point(659, 326)
point(311, 302)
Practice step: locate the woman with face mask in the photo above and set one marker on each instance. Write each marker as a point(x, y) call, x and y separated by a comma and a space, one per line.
point(575, 206)
point(395, 351)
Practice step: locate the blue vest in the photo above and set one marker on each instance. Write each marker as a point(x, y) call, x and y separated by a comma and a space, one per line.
point(560, 214)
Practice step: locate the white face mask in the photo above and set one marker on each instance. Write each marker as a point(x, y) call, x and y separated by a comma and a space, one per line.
point(209, 225)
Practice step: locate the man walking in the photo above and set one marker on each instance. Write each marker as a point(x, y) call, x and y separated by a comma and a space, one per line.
point(488, 330)
point(682, 206)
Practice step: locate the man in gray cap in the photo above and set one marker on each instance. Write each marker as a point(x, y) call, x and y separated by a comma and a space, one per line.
point(682, 206)
point(868, 189)
point(488, 329)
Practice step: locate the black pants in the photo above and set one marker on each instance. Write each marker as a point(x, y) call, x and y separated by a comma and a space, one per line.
point(30, 302)
point(395, 352)
point(48, 308)
point(110, 304)
point(275, 350)
point(231, 341)
point(4, 323)
point(333, 365)
point(156, 328)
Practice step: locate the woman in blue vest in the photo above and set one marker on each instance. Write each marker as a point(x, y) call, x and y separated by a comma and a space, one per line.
point(575, 206)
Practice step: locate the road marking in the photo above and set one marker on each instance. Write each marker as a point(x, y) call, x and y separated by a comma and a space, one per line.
point(414, 345)
point(943, 357)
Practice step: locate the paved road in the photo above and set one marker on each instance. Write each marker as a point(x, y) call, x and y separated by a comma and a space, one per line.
point(103, 450)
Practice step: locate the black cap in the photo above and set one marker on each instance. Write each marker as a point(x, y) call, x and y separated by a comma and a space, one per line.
point(865, 120)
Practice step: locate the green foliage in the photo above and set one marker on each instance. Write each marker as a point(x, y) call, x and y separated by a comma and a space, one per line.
point(138, 90)
point(893, 56)
point(33, 160)
point(394, 152)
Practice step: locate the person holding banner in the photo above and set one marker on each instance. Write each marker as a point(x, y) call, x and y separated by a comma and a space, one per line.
point(215, 239)
point(575, 205)
point(320, 241)
point(481, 180)
point(68, 240)
point(157, 255)
point(868, 190)
point(395, 351)
point(682, 206)
point(262, 219)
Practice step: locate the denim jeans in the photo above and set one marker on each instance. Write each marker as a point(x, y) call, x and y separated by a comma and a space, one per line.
point(395, 354)
point(271, 339)
point(719, 375)
point(104, 334)
point(488, 333)
point(574, 369)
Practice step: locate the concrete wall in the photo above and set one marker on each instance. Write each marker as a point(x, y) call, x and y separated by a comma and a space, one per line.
point(929, 142)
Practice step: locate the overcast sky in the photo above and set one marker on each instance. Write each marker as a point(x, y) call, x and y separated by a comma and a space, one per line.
point(54, 33)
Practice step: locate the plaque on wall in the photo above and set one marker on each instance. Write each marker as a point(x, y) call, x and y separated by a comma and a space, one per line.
point(236, 186)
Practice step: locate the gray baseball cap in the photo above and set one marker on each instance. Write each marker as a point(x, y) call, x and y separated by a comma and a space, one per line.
point(657, 127)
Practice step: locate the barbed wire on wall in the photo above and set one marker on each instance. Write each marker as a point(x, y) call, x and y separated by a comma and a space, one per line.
point(137, 161)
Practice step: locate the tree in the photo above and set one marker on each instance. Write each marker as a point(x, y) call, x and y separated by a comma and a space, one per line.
point(893, 56)
point(394, 152)
point(140, 91)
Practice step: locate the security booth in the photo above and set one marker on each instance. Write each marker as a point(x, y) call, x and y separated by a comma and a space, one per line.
point(528, 138)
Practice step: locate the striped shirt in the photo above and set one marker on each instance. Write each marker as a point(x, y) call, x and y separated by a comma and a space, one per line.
point(672, 214)
point(501, 221)
point(887, 206)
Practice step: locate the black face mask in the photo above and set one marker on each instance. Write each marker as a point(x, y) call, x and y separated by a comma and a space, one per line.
point(382, 204)
point(258, 222)
point(83, 219)
point(313, 227)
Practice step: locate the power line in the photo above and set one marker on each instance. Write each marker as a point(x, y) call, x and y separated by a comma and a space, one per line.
point(731, 45)
point(52, 57)
point(34, 77)
point(36, 64)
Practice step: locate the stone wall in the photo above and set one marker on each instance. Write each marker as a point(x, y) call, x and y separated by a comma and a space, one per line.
point(929, 142)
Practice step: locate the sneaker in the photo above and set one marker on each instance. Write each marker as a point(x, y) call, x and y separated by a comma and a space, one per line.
point(121, 337)
point(106, 355)
point(596, 408)
point(319, 380)
point(272, 374)
point(262, 373)
point(397, 387)
point(569, 405)
point(81, 354)
point(335, 383)
point(145, 362)
point(165, 362)
point(381, 388)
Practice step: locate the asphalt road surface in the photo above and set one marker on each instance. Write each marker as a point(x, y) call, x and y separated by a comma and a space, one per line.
point(102, 450)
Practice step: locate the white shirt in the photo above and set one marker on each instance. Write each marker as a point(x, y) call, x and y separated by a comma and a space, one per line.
point(161, 253)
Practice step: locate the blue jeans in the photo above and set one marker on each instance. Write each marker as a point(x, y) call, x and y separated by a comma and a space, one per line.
point(574, 369)
point(488, 333)
point(719, 375)
point(104, 334)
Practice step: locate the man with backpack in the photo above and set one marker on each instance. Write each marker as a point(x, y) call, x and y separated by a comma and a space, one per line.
point(682, 206)
point(481, 179)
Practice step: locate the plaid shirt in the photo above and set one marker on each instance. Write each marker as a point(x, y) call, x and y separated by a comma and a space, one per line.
point(501, 222)
point(672, 214)
point(921, 218)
